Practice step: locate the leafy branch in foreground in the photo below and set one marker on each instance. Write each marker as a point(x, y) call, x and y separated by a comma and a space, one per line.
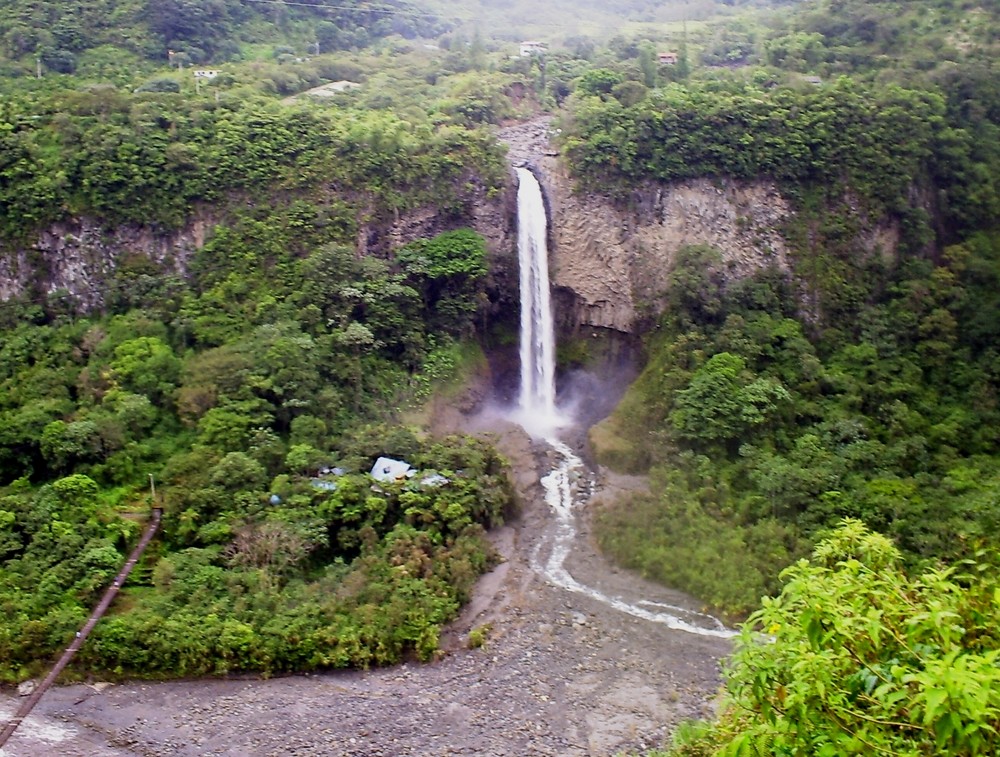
point(861, 658)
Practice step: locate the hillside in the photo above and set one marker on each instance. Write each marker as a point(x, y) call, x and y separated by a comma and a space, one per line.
point(238, 291)
point(65, 36)
point(186, 301)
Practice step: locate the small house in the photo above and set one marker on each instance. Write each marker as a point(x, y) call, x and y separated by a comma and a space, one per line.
point(531, 47)
point(389, 471)
point(667, 59)
point(205, 73)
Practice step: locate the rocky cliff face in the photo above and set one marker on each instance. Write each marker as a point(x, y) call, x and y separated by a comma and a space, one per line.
point(493, 218)
point(611, 266)
point(80, 256)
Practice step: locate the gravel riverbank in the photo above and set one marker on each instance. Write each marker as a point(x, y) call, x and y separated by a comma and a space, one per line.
point(560, 674)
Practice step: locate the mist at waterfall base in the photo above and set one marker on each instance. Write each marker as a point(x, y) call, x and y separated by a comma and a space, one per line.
point(569, 484)
point(537, 399)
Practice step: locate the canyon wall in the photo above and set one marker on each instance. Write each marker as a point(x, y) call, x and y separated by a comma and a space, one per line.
point(611, 264)
point(77, 258)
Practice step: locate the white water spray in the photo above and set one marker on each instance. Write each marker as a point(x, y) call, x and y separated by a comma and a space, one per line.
point(539, 416)
point(538, 343)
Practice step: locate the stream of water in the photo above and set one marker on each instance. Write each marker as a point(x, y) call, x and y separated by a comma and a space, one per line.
point(566, 485)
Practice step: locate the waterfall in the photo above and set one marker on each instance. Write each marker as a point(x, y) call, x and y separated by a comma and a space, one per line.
point(538, 360)
point(538, 415)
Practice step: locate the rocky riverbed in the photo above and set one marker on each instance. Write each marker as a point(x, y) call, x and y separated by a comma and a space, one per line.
point(560, 673)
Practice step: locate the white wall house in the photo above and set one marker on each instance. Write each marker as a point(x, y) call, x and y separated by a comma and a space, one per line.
point(531, 47)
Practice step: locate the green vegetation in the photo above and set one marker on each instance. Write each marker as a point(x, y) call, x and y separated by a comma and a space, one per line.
point(236, 394)
point(779, 429)
point(479, 635)
point(343, 574)
point(235, 385)
point(825, 136)
point(235, 375)
point(149, 158)
point(860, 658)
point(861, 383)
point(64, 35)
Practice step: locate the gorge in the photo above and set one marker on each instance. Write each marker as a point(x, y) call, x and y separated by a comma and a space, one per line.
point(578, 659)
point(758, 257)
point(569, 484)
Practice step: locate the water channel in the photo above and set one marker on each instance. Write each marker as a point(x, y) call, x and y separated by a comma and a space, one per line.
point(568, 485)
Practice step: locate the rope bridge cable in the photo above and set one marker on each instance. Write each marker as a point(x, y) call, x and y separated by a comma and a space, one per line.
point(25, 709)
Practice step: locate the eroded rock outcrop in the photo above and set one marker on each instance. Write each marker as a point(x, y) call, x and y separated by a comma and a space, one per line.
point(610, 261)
point(611, 265)
point(79, 257)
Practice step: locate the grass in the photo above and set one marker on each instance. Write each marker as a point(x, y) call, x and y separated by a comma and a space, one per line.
point(615, 448)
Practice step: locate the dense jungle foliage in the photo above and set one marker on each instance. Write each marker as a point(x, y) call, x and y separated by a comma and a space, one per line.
point(150, 158)
point(236, 376)
point(777, 428)
point(861, 384)
point(860, 389)
point(239, 394)
point(67, 36)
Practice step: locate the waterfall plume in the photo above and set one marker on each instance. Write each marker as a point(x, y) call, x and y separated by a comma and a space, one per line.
point(537, 399)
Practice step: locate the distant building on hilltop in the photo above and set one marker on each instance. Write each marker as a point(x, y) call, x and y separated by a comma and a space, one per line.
point(667, 59)
point(205, 73)
point(530, 47)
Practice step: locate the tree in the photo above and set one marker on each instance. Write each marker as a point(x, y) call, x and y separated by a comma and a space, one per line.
point(859, 659)
point(598, 81)
point(65, 444)
point(200, 22)
point(77, 496)
point(304, 458)
point(724, 400)
point(648, 64)
point(271, 546)
point(60, 61)
point(148, 366)
point(160, 84)
point(308, 429)
point(237, 471)
point(448, 270)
